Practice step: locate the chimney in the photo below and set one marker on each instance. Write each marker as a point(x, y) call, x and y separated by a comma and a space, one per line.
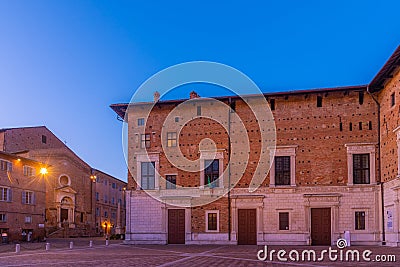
point(156, 96)
point(193, 94)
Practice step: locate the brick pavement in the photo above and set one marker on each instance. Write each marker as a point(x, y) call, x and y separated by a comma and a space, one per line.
point(118, 254)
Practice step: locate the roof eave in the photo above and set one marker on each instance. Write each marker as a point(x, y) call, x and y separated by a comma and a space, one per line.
point(121, 108)
point(385, 74)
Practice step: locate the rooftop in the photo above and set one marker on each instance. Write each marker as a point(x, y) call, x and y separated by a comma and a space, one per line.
point(120, 108)
point(385, 74)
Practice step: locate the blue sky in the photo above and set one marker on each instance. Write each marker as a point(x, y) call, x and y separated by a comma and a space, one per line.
point(62, 63)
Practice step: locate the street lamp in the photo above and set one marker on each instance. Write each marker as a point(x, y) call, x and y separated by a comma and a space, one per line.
point(43, 171)
point(105, 228)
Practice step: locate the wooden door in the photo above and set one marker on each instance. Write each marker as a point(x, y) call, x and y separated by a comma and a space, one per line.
point(321, 226)
point(176, 226)
point(247, 227)
point(64, 215)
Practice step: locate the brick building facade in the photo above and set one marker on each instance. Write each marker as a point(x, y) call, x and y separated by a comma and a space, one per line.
point(22, 198)
point(334, 168)
point(386, 90)
point(110, 204)
point(69, 184)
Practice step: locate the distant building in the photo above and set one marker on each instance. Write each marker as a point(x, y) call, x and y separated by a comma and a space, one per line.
point(110, 204)
point(22, 198)
point(70, 186)
point(336, 168)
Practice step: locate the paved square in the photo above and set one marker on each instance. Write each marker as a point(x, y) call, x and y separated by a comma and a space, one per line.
point(118, 254)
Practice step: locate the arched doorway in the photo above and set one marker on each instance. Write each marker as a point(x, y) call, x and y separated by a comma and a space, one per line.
point(66, 210)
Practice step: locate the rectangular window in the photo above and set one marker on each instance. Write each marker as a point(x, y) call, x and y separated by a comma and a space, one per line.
point(3, 217)
point(341, 126)
point(28, 171)
point(140, 122)
point(282, 170)
point(171, 139)
point(145, 138)
point(351, 126)
point(28, 197)
point(361, 169)
point(5, 194)
point(283, 220)
point(28, 219)
point(113, 215)
point(148, 175)
point(212, 224)
point(360, 125)
point(114, 185)
point(5, 165)
point(171, 181)
point(272, 104)
point(44, 139)
point(211, 173)
point(392, 100)
point(82, 214)
point(360, 97)
point(97, 196)
point(198, 110)
point(97, 211)
point(113, 200)
point(176, 119)
point(319, 101)
point(106, 214)
point(105, 198)
point(360, 220)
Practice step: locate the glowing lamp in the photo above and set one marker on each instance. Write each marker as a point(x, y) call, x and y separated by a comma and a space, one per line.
point(43, 171)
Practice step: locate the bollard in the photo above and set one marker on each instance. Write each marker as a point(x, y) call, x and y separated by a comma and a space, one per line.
point(106, 242)
point(47, 246)
point(71, 245)
point(17, 248)
point(90, 243)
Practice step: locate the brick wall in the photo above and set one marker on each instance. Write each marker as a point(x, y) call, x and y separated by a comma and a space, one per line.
point(390, 120)
point(15, 210)
point(62, 162)
point(319, 136)
point(319, 132)
point(106, 192)
point(30, 138)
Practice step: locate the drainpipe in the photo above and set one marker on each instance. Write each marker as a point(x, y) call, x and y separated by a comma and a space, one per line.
point(379, 166)
point(229, 170)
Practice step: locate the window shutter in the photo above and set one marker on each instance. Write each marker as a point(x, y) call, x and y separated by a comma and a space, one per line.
point(9, 195)
point(23, 197)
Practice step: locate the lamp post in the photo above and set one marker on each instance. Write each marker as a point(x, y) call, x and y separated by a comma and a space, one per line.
point(106, 229)
point(43, 171)
point(93, 178)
